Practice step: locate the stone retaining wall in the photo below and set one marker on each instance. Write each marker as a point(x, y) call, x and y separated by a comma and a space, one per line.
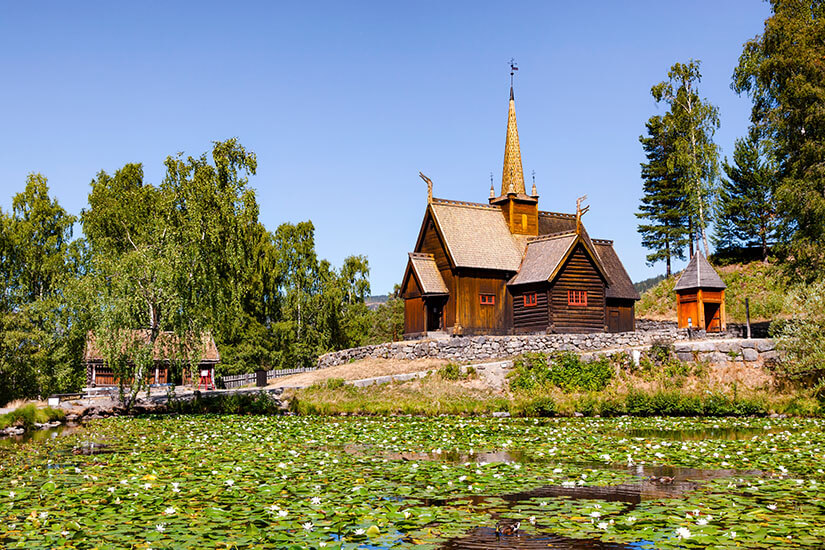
point(476, 348)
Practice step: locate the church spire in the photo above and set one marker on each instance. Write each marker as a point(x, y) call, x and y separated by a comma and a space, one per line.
point(512, 175)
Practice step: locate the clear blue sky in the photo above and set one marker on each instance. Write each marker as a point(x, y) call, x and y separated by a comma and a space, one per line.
point(344, 102)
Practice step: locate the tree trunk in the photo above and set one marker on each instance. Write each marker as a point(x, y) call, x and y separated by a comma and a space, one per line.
point(764, 248)
point(690, 235)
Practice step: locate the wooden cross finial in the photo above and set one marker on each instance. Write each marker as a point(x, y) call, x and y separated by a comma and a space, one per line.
point(429, 187)
point(580, 212)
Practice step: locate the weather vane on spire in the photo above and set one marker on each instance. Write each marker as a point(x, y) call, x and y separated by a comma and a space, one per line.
point(513, 69)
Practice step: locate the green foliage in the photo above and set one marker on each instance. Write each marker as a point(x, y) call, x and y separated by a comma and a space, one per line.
point(234, 403)
point(451, 371)
point(41, 334)
point(29, 415)
point(564, 370)
point(781, 70)
point(386, 322)
point(802, 339)
point(663, 202)
point(746, 209)
point(691, 156)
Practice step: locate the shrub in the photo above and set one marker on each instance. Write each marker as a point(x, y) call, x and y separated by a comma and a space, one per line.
point(334, 383)
point(565, 370)
point(803, 338)
point(29, 415)
point(450, 371)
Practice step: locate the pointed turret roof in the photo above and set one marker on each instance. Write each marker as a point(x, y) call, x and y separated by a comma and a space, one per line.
point(512, 177)
point(699, 274)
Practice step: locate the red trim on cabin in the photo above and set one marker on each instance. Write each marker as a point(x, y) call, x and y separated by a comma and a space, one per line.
point(577, 298)
point(487, 299)
point(531, 299)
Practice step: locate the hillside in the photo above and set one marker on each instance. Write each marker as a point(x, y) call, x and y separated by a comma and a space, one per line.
point(762, 283)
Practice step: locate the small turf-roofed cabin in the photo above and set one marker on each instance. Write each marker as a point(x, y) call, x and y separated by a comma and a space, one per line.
point(506, 267)
point(166, 347)
point(700, 296)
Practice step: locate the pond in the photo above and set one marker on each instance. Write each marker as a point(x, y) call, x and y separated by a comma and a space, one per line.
point(401, 482)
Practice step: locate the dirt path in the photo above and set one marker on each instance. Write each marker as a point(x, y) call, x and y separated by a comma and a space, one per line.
point(365, 368)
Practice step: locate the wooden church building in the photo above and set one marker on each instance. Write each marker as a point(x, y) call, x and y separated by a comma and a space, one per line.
point(506, 267)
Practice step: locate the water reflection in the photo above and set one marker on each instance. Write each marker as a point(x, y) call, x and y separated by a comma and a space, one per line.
point(487, 538)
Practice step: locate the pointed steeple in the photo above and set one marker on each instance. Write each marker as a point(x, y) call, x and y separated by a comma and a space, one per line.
point(512, 175)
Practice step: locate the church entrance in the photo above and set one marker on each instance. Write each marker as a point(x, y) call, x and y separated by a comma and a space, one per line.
point(435, 314)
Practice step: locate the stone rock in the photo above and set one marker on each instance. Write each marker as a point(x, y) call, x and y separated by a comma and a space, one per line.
point(501, 414)
point(765, 344)
point(750, 354)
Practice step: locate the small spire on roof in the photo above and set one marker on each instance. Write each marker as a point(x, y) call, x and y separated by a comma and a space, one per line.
point(429, 187)
point(533, 191)
point(513, 174)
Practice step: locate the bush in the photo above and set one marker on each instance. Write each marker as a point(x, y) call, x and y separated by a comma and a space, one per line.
point(803, 339)
point(450, 371)
point(237, 403)
point(565, 370)
point(29, 415)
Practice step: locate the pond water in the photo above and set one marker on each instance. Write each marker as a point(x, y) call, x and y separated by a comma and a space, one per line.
point(397, 482)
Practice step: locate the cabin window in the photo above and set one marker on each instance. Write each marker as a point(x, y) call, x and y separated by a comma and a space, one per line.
point(531, 299)
point(577, 298)
point(487, 299)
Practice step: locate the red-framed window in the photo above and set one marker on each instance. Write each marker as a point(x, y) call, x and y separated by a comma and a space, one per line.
point(577, 298)
point(487, 299)
point(531, 299)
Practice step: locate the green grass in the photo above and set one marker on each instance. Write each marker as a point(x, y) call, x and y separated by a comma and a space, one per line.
point(763, 284)
point(29, 415)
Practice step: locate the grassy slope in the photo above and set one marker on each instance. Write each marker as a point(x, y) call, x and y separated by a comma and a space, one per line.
point(762, 283)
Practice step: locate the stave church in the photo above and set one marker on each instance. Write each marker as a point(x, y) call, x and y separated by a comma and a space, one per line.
point(506, 267)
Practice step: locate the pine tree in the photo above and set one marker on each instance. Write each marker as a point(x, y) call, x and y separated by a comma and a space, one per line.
point(747, 213)
point(663, 203)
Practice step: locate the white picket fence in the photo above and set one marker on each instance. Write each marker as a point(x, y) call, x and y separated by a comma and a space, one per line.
point(238, 380)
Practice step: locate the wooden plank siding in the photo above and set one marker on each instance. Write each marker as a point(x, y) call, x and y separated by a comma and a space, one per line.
point(431, 243)
point(578, 273)
point(413, 315)
point(476, 318)
point(530, 318)
point(620, 315)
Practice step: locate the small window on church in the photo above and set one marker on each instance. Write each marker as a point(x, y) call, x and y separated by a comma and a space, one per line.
point(577, 298)
point(531, 299)
point(487, 299)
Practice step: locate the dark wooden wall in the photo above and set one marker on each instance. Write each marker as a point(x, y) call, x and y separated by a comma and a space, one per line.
point(487, 319)
point(620, 315)
point(431, 243)
point(413, 315)
point(578, 273)
point(533, 318)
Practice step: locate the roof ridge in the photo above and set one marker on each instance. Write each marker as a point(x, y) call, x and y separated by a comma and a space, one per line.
point(465, 204)
point(426, 255)
point(557, 214)
point(601, 241)
point(550, 236)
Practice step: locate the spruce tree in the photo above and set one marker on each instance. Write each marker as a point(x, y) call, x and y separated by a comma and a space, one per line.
point(747, 213)
point(663, 203)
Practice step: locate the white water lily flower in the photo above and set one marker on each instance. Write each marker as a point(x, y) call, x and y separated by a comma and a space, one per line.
point(683, 533)
point(307, 526)
point(316, 501)
point(111, 489)
point(771, 507)
point(732, 534)
point(169, 511)
point(283, 513)
point(701, 521)
point(43, 515)
point(532, 520)
point(229, 483)
point(161, 527)
point(175, 487)
point(147, 486)
point(631, 519)
point(11, 494)
point(602, 525)
point(360, 531)
point(595, 515)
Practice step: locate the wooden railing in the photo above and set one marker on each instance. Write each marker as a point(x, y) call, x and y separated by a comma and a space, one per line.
point(238, 380)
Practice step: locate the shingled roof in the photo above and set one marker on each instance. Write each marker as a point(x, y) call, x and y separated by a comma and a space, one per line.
point(545, 255)
point(427, 273)
point(620, 284)
point(699, 274)
point(556, 222)
point(476, 235)
point(165, 347)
